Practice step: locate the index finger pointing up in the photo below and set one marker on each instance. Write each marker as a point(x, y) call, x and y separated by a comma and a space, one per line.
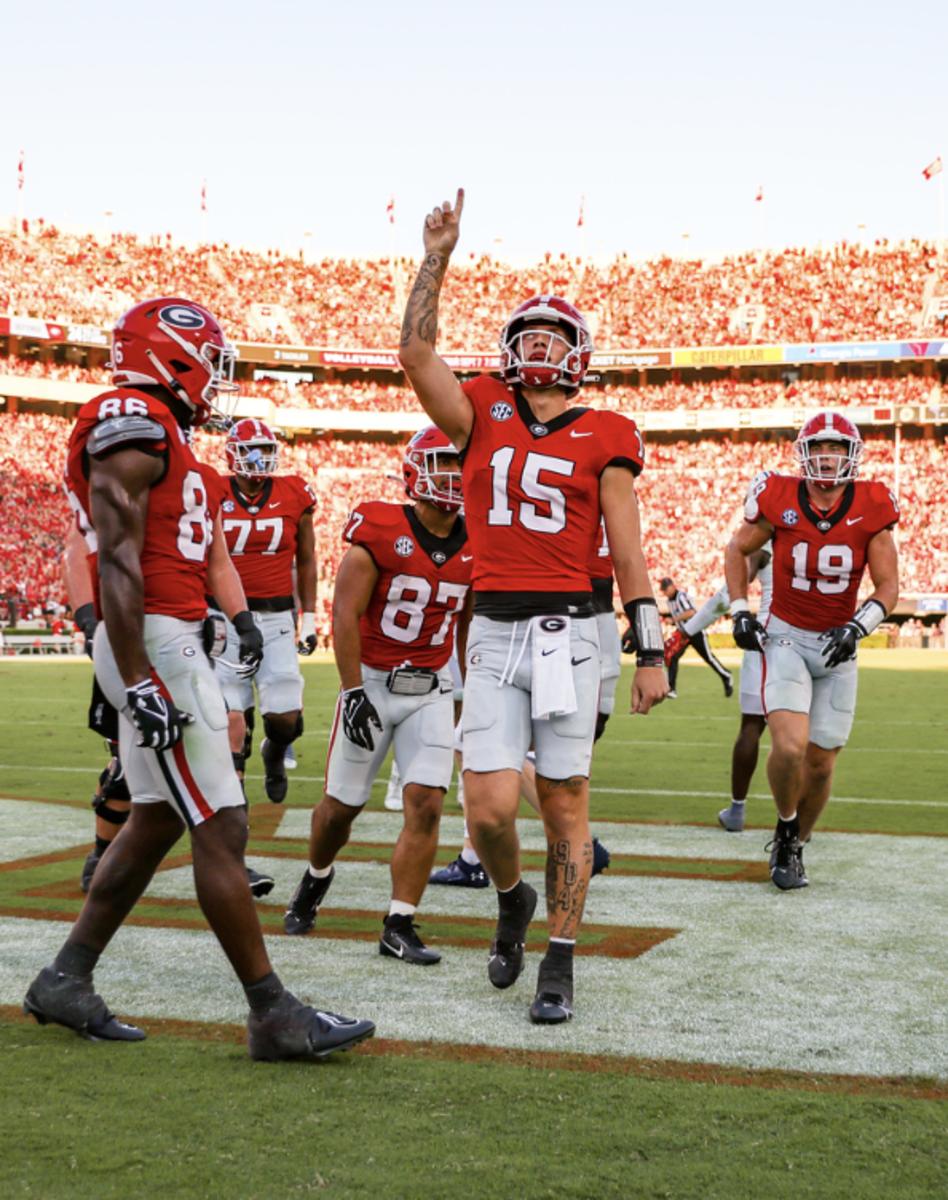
point(459, 204)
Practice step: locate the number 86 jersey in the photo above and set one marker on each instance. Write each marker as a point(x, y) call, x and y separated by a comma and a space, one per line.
point(178, 525)
point(819, 558)
point(422, 584)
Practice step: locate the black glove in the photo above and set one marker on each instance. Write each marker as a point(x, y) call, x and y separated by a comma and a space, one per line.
point(251, 645)
point(628, 641)
point(839, 643)
point(86, 622)
point(307, 643)
point(358, 714)
point(748, 631)
point(214, 635)
point(158, 722)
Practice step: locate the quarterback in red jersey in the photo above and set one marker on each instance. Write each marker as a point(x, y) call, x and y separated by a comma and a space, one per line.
point(268, 523)
point(399, 592)
point(539, 476)
point(827, 527)
point(142, 502)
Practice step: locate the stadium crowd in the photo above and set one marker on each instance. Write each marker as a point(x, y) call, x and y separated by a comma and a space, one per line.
point(843, 292)
point(368, 395)
point(690, 493)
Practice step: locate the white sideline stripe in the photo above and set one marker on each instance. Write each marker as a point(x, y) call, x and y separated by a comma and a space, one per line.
point(602, 791)
point(671, 742)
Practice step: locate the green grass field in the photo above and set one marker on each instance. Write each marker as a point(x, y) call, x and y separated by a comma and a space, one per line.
point(729, 1041)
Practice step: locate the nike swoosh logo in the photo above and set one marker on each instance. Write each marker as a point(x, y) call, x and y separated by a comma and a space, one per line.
point(274, 504)
point(466, 557)
point(544, 653)
point(398, 951)
point(852, 520)
point(577, 661)
point(576, 433)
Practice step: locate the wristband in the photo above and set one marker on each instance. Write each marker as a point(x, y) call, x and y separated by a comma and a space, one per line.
point(738, 606)
point(645, 626)
point(868, 616)
point(243, 622)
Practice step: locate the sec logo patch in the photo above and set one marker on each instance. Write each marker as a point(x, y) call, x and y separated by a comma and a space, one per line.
point(404, 546)
point(789, 516)
point(501, 411)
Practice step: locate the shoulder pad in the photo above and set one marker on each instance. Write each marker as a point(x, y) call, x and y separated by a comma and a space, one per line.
point(756, 486)
point(118, 431)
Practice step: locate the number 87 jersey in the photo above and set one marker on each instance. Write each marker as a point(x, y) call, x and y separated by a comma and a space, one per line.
point(422, 584)
point(819, 558)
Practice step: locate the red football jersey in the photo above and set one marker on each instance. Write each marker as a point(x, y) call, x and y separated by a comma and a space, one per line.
point(263, 534)
point(819, 558)
point(178, 525)
point(531, 489)
point(422, 583)
point(601, 570)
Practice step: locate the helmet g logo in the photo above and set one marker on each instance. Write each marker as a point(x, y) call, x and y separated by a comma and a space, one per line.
point(181, 317)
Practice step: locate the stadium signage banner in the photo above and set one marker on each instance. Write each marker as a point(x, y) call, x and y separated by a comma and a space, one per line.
point(727, 356)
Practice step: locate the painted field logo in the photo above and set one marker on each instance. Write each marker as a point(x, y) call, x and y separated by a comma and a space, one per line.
point(789, 516)
point(501, 411)
point(181, 317)
point(404, 546)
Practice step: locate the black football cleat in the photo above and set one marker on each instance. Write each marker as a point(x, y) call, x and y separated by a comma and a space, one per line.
point(601, 857)
point(553, 1003)
point(506, 950)
point(400, 940)
point(460, 874)
point(290, 1029)
point(274, 778)
point(786, 869)
point(300, 916)
point(728, 688)
point(72, 1001)
point(88, 869)
point(260, 884)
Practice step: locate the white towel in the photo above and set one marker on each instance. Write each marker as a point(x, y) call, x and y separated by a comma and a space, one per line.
point(553, 693)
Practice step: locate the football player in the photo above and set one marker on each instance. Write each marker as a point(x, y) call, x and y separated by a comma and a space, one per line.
point(827, 527)
point(141, 501)
point(538, 477)
point(400, 589)
point(268, 523)
point(681, 610)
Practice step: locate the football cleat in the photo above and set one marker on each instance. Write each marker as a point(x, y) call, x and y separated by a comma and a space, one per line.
point(275, 781)
point(671, 695)
point(786, 868)
point(732, 818)
point(553, 1003)
point(728, 688)
point(260, 884)
point(505, 962)
point(290, 1029)
point(88, 869)
point(72, 1001)
point(300, 916)
point(461, 874)
point(601, 857)
point(290, 761)
point(400, 940)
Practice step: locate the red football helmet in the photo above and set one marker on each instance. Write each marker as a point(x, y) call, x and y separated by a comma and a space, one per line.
point(178, 344)
point(823, 469)
point(537, 372)
point(251, 449)
point(432, 471)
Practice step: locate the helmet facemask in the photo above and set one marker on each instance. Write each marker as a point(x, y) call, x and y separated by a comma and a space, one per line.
point(438, 477)
point(828, 468)
point(535, 369)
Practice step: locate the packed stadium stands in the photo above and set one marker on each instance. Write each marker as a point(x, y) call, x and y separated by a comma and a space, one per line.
point(843, 292)
point(690, 494)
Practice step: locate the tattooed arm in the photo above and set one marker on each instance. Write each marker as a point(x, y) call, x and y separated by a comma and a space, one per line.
point(435, 384)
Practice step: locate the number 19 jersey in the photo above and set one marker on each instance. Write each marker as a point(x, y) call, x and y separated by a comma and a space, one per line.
point(819, 558)
point(422, 584)
point(531, 490)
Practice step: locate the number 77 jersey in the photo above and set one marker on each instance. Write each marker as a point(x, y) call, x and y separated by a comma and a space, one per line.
point(819, 558)
point(422, 584)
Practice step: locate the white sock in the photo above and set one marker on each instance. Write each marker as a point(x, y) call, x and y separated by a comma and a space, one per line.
point(469, 855)
point(398, 908)
point(787, 820)
point(737, 803)
point(319, 872)
point(562, 941)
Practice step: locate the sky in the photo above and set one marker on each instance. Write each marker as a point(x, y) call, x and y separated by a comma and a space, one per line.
point(305, 118)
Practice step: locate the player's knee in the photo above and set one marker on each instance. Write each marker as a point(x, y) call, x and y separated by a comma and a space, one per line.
point(225, 833)
point(237, 734)
point(283, 727)
point(423, 808)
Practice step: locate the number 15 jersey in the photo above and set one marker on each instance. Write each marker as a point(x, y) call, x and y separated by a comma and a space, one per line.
point(531, 493)
point(819, 558)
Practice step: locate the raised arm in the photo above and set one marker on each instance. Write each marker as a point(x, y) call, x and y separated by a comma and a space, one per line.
point(435, 384)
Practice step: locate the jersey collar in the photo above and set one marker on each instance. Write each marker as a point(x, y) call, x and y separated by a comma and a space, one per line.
point(438, 549)
point(541, 429)
point(824, 522)
point(258, 502)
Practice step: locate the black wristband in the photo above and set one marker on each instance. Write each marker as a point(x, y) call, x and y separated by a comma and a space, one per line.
point(85, 615)
point(243, 622)
point(645, 628)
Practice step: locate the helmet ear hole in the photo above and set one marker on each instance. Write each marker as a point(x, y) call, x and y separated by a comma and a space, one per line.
point(180, 368)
